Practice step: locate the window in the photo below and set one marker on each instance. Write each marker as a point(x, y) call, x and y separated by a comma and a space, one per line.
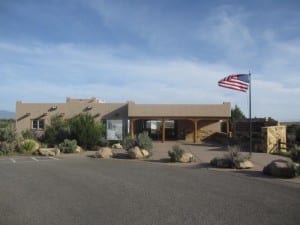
point(38, 124)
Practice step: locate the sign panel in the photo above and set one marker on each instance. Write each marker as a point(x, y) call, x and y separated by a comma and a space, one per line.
point(114, 130)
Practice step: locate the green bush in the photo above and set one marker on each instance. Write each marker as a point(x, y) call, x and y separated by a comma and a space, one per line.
point(83, 128)
point(7, 148)
point(144, 142)
point(57, 132)
point(28, 146)
point(31, 134)
point(234, 155)
point(68, 146)
point(231, 159)
point(86, 130)
point(176, 153)
point(129, 143)
point(8, 137)
point(8, 133)
point(295, 154)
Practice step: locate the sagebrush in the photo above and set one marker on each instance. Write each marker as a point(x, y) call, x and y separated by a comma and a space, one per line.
point(176, 153)
point(143, 141)
point(68, 146)
point(28, 146)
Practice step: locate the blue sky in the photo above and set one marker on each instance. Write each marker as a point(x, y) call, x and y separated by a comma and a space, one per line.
point(166, 51)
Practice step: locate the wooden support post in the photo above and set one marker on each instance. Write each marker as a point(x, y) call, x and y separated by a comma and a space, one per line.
point(132, 128)
point(227, 128)
point(163, 132)
point(195, 130)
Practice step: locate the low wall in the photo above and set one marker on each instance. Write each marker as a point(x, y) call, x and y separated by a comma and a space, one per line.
point(273, 139)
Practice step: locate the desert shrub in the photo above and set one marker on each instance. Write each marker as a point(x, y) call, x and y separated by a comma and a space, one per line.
point(68, 146)
point(144, 142)
point(31, 134)
point(129, 143)
point(8, 133)
point(230, 159)
point(8, 138)
point(176, 153)
point(234, 154)
point(295, 154)
point(103, 142)
point(27, 146)
point(56, 132)
point(7, 148)
point(86, 130)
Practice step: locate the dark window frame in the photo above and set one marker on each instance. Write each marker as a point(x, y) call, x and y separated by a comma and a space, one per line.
point(38, 124)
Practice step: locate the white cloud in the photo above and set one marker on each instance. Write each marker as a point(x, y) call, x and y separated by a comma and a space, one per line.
point(225, 30)
point(56, 71)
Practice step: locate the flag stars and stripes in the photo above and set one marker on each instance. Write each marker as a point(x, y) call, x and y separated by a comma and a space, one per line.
point(238, 82)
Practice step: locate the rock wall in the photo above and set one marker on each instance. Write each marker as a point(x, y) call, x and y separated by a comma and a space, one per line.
point(273, 139)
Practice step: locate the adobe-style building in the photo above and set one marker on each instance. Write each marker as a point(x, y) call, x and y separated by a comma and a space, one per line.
point(172, 121)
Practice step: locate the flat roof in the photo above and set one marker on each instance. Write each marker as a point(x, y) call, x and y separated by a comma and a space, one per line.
point(179, 110)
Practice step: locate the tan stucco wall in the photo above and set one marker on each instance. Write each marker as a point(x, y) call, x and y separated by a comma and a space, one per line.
point(208, 116)
point(101, 111)
point(205, 128)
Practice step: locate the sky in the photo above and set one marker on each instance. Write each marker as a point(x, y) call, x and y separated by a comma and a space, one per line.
point(152, 51)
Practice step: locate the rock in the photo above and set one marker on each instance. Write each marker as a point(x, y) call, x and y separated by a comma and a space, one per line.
point(145, 153)
point(135, 153)
point(104, 153)
point(247, 164)
point(117, 146)
point(78, 149)
point(281, 168)
point(48, 151)
point(57, 151)
point(186, 157)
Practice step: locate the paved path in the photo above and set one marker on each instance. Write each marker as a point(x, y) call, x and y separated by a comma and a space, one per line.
point(205, 152)
point(83, 190)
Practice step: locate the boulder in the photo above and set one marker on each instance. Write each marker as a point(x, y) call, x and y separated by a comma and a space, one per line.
point(104, 153)
point(48, 151)
point(135, 153)
point(57, 151)
point(247, 164)
point(281, 168)
point(78, 149)
point(117, 146)
point(186, 157)
point(145, 153)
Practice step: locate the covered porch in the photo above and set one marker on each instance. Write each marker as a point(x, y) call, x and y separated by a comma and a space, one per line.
point(189, 120)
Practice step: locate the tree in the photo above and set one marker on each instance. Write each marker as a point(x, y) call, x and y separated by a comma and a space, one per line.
point(237, 114)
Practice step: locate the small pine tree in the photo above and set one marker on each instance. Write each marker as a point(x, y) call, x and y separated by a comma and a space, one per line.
point(237, 114)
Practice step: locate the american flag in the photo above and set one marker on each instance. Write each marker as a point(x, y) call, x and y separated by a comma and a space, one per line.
point(238, 82)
